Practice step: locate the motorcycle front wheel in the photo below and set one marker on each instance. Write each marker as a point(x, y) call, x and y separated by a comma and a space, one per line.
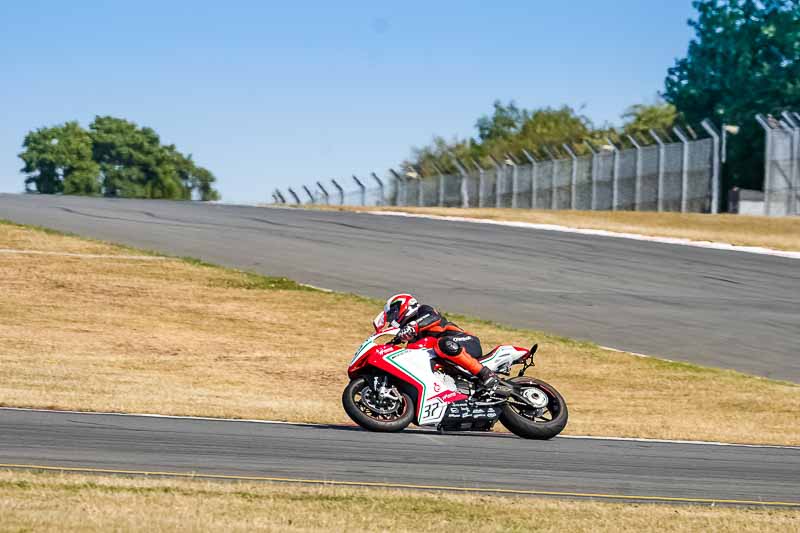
point(544, 419)
point(386, 414)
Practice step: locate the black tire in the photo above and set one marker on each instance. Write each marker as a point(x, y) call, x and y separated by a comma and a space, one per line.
point(531, 428)
point(368, 422)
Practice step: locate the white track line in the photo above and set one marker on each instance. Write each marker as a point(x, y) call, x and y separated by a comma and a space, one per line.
point(644, 355)
point(286, 423)
point(90, 256)
point(321, 289)
point(603, 233)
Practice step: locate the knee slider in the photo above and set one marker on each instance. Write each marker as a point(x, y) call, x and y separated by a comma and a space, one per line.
point(449, 346)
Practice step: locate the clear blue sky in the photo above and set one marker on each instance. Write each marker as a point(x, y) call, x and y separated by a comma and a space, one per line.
point(269, 94)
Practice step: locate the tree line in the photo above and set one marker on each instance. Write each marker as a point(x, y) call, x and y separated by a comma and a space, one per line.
point(541, 132)
point(744, 59)
point(113, 157)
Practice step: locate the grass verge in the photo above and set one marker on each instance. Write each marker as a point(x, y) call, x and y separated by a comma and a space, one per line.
point(57, 502)
point(186, 338)
point(779, 233)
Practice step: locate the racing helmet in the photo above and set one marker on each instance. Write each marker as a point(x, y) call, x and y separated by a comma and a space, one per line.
point(398, 308)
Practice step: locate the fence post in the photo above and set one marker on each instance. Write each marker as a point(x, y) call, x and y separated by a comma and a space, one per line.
point(440, 191)
point(481, 184)
point(464, 183)
point(712, 131)
point(363, 190)
point(280, 196)
point(614, 176)
point(789, 127)
point(767, 161)
point(441, 188)
point(512, 162)
point(637, 183)
point(381, 191)
point(324, 193)
point(341, 191)
point(553, 198)
point(514, 184)
point(499, 178)
point(684, 168)
point(534, 176)
point(402, 194)
point(594, 172)
point(794, 185)
point(574, 177)
point(294, 195)
point(662, 152)
point(311, 196)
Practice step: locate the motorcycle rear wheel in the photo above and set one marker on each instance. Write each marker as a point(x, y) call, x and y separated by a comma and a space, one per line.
point(539, 424)
point(361, 414)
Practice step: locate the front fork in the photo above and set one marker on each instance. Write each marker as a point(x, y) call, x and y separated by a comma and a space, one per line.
point(383, 389)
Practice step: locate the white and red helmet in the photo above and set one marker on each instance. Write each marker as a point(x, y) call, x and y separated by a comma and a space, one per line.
point(398, 308)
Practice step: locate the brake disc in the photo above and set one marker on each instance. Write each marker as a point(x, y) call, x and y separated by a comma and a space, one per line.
point(380, 406)
point(536, 397)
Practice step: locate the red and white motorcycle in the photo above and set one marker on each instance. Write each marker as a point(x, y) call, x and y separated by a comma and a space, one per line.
point(392, 386)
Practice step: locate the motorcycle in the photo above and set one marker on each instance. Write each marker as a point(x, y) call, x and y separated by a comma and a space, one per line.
point(392, 386)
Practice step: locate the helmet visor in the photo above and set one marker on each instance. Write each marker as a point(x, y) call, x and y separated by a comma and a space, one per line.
point(393, 312)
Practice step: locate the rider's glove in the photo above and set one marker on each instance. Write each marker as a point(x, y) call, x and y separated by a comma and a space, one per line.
point(408, 332)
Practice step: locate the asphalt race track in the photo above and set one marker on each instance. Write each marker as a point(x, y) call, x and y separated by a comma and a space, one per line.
point(712, 307)
point(603, 469)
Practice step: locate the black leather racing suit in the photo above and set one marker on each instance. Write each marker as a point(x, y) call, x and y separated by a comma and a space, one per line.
point(428, 322)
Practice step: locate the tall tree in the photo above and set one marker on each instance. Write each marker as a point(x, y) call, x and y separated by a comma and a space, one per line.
point(639, 119)
point(134, 163)
point(115, 158)
point(504, 123)
point(203, 181)
point(744, 59)
point(548, 126)
point(129, 158)
point(437, 156)
point(509, 129)
point(59, 160)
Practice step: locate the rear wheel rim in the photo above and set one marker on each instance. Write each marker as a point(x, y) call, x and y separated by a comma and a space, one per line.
point(538, 415)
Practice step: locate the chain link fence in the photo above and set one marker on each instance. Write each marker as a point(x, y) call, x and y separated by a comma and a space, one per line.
point(782, 164)
point(673, 176)
point(666, 175)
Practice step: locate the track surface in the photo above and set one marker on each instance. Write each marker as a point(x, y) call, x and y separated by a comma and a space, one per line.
point(630, 470)
point(712, 307)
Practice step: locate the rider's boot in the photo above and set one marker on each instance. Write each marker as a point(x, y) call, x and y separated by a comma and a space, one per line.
point(450, 350)
point(491, 385)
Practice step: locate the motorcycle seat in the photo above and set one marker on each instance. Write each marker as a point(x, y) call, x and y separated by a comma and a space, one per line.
point(490, 354)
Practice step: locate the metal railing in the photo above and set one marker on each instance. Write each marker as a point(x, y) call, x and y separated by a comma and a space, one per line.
point(658, 172)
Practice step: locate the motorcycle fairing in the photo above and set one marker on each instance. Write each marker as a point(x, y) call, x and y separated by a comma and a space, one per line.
point(413, 366)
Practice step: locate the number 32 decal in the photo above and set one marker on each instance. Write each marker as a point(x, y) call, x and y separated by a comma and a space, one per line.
point(432, 410)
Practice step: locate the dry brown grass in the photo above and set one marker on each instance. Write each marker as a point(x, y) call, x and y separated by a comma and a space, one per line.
point(179, 338)
point(16, 237)
point(56, 502)
point(780, 233)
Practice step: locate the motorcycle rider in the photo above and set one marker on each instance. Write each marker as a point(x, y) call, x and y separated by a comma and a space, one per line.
point(454, 344)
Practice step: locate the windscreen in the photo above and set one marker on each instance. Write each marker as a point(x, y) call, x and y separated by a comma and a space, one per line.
point(379, 322)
